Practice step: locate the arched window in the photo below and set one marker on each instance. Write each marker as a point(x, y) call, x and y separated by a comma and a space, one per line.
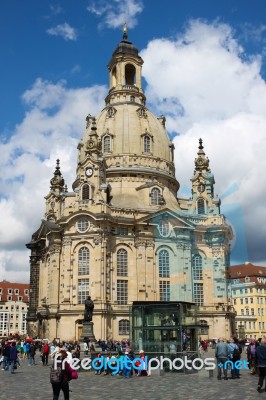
point(147, 144)
point(84, 261)
point(122, 262)
point(164, 270)
point(107, 144)
point(123, 327)
point(155, 196)
point(201, 206)
point(197, 267)
point(114, 77)
point(130, 74)
point(85, 192)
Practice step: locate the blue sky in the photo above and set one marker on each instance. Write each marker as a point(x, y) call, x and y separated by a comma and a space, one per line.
point(204, 68)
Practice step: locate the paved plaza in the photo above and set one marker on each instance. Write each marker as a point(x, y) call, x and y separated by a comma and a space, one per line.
point(33, 383)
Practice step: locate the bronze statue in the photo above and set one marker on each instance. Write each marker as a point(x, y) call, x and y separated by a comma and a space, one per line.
point(88, 312)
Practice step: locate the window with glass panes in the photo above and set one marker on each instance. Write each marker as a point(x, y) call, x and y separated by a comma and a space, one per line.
point(107, 144)
point(83, 290)
point(83, 261)
point(122, 291)
point(123, 327)
point(155, 196)
point(198, 293)
point(197, 267)
point(164, 290)
point(122, 262)
point(164, 270)
point(147, 144)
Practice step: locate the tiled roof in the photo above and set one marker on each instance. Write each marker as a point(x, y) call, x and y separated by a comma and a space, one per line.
point(12, 291)
point(247, 269)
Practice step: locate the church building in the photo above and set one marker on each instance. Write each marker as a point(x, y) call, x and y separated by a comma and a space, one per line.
point(122, 234)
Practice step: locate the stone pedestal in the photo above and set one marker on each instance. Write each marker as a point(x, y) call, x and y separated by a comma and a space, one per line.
point(87, 332)
point(88, 335)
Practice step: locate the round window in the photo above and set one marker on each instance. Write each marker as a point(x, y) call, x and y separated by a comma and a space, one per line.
point(83, 225)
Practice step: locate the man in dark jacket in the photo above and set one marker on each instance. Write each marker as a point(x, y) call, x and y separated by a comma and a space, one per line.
point(6, 353)
point(13, 357)
point(261, 363)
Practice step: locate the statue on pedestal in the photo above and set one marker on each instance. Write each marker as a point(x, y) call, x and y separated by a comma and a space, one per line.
point(88, 312)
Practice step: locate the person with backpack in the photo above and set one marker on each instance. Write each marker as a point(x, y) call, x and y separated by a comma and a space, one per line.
point(60, 376)
point(234, 355)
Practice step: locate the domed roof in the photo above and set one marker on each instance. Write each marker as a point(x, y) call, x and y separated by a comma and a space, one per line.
point(126, 47)
point(131, 122)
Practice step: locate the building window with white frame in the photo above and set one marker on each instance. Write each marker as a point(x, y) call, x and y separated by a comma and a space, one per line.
point(84, 261)
point(147, 144)
point(164, 289)
point(83, 225)
point(122, 291)
point(198, 294)
point(123, 327)
point(122, 262)
point(155, 196)
point(164, 266)
point(83, 290)
point(197, 267)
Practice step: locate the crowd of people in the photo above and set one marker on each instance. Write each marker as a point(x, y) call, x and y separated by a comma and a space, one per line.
point(232, 350)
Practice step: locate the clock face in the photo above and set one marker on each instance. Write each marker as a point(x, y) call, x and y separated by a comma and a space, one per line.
point(89, 171)
point(201, 187)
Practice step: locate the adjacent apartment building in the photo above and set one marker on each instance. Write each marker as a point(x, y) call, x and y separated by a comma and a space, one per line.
point(14, 299)
point(249, 299)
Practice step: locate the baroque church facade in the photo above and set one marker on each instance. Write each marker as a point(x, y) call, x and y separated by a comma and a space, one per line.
point(122, 234)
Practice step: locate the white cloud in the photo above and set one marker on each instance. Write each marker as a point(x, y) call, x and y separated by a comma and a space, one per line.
point(51, 128)
point(115, 13)
point(207, 87)
point(63, 30)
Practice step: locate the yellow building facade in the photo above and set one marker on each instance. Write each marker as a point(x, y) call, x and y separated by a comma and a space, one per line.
point(122, 234)
point(248, 284)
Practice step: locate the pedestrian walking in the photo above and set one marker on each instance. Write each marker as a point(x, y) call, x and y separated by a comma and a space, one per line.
point(261, 363)
point(221, 354)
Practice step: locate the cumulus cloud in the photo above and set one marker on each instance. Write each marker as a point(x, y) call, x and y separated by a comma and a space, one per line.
point(63, 30)
point(52, 126)
point(115, 13)
point(208, 87)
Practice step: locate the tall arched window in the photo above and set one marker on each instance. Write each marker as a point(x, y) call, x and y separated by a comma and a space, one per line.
point(107, 144)
point(122, 262)
point(123, 327)
point(130, 74)
point(201, 206)
point(84, 261)
point(155, 196)
point(197, 267)
point(85, 192)
point(164, 268)
point(147, 144)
